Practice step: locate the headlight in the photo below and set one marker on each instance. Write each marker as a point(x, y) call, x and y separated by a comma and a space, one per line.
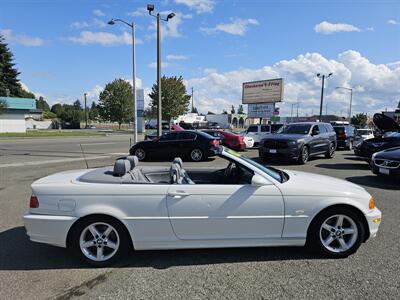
point(292, 142)
point(376, 145)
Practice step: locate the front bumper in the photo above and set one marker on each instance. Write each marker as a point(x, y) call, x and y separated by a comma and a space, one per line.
point(374, 220)
point(48, 229)
point(285, 153)
point(384, 171)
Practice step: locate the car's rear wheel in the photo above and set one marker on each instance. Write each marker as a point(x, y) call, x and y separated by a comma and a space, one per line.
point(99, 241)
point(140, 153)
point(336, 233)
point(304, 155)
point(196, 154)
point(331, 151)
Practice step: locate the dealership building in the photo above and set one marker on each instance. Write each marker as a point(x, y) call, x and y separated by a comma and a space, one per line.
point(13, 117)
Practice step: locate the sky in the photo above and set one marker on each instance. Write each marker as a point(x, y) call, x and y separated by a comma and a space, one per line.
point(66, 48)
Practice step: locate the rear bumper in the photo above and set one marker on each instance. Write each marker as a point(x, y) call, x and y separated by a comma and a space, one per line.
point(48, 229)
point(374, 220)
point(343, 143)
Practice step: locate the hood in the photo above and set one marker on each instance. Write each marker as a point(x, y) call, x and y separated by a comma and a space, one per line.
point(385, 123)
point(304, 183)
point(285, 136)
point(391, 154)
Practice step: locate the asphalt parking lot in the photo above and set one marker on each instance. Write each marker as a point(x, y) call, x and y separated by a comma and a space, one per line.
point(40, 271)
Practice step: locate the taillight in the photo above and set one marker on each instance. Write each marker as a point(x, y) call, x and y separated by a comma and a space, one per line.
point(34, 202)
point(342, 136)
point(214, 143)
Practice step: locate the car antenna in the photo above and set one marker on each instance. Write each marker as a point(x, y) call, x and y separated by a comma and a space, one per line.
point(84, 157)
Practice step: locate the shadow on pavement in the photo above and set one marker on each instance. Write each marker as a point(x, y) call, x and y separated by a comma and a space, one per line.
point(376, 182)
point(20, 254)
point(344, 166)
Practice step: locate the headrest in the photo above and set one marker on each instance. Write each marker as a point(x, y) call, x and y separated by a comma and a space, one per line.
point(178, 160)
point(133, 160)
point(121, 167)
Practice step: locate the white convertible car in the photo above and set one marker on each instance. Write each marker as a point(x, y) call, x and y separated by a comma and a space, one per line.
point(100, 213)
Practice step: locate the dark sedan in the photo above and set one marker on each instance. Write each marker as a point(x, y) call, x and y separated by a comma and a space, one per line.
point(194, 145)
point(299, 141)
point(386, 162)
point(390, 138)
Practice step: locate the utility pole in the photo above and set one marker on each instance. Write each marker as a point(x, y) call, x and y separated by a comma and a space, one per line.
point(322, 92)
point(297, 108)
point(86, 117)
point(192, 100)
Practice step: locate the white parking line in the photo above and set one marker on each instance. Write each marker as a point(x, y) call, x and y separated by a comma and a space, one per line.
point(55, 161)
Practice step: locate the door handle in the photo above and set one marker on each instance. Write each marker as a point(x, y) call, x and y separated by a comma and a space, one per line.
point(178, 194)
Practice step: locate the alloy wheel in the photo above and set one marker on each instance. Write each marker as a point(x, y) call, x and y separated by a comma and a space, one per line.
point(338, 233)
point(140, 153)
point(196, 155)
point(99, 241)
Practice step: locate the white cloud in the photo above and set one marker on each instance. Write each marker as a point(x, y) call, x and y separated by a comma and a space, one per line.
point(103, 38)
point(172, 27)
point(84, 24)
point(98, 13)
point(141, 11)
point(375, 85)
point(328, 28)
point(177, 57)
point(164, 65)
point(236, 27)
point(393, 22)
point(200, 6)
point(21, 39)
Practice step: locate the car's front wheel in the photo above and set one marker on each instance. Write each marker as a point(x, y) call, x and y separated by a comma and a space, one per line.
point(336, 233)
point(140, 153)
point(99, 241)
point(304, 155)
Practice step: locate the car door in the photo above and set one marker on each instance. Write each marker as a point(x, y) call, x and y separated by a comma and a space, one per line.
point(225, 211)
point(167, 145)
point(324, 137)
point(315, 141)
point(185, 142)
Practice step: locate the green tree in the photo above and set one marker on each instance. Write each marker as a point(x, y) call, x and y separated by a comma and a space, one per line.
point(49, 115)
point(93, 112)
point(115, 102)
point(240, 109)
point(42, 104)
point(9, 82)
point(57, 109)
point(3, 106)
point(359, 120)
point(224, 112)
point(233, 111)
point(174, 100)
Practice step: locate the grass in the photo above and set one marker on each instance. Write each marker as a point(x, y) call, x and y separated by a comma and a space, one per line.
point(54, 133)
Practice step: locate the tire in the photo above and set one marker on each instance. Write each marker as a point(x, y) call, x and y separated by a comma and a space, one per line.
point(331, 151)
point(304, 155)
point(196, 155)
point(140, 153)
point(330, 239)
point(109, 237)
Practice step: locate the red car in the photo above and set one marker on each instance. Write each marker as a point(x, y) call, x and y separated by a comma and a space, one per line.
point(228, 139)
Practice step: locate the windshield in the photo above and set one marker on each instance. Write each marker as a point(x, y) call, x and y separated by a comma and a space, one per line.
point(392, 134)
point(295, 129)
point(363, 131)
point(274, 173)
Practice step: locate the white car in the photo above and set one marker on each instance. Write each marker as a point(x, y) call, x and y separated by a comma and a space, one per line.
point(100, 213)
point(249, 141)
point(365, 134)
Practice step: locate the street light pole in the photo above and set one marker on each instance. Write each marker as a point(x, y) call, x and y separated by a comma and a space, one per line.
point(192, 101)
point(351, 98)
point(322, 93)
point(86, 118)
point(150, 8)
point(132, 26)
point(159, 107)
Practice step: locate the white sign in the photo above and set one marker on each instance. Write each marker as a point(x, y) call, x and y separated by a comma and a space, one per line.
point(264, 91)
point(264, 111)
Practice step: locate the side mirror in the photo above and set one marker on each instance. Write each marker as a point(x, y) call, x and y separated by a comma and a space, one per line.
point(258, 180)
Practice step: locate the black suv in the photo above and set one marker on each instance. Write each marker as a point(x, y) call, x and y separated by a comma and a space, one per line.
point(299, 141)
point(345, 136)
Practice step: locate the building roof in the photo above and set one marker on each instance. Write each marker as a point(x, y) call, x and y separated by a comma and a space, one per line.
point(19, 103)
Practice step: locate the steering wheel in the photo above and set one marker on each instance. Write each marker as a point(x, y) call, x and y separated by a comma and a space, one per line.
point(229, 169)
